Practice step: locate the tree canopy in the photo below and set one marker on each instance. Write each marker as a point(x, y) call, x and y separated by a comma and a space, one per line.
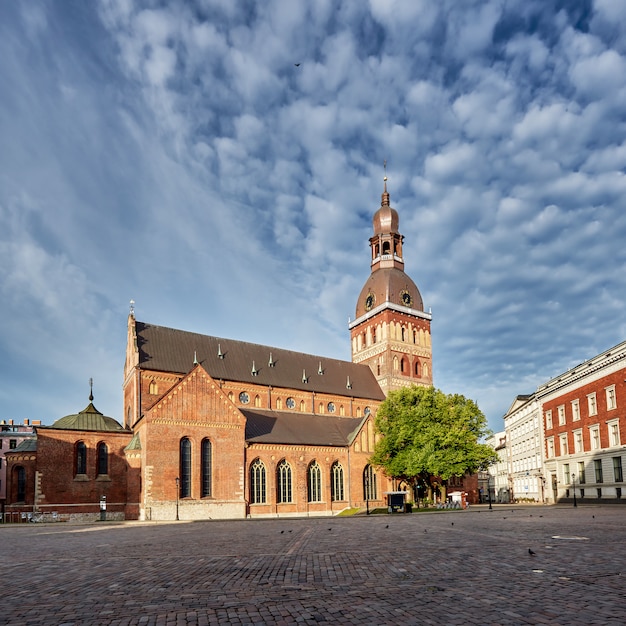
point(427, 433)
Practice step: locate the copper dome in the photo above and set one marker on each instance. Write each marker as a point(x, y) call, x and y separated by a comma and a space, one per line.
point(88, 419)
point(385, 220)
point(389, 284)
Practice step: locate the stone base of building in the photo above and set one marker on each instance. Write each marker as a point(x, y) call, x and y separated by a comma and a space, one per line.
point(196, 510)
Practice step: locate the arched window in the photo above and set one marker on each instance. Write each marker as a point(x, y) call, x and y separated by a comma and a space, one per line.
point(279, 404)
point(257, 483)
point(205, 469)
point(403, 333)
point(386, 247)
point(403, 365)
point(153, 388)
point(395, 363)
point(257, 401)
point(417, 368)
point(315, 482)
point(283, 482)
point(336, 486)
point(185, 468)
point(369, 483)
point(81, 458)
point(20, 479)
point(302, 406)
point(374, 334)
point(103, 459)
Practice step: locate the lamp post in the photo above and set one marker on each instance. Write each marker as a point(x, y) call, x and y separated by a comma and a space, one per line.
point(367, 492)
point(574, 487)
point(177, 495)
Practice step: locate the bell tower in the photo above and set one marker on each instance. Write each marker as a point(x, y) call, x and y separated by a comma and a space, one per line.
point(391, 332)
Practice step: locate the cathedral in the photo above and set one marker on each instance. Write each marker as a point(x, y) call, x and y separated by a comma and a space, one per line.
point(216, 428)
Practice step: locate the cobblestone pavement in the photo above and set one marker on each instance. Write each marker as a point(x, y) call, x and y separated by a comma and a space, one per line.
point(452, 567)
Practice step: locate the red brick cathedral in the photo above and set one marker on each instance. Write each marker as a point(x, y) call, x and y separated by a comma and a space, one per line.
point(219, 428)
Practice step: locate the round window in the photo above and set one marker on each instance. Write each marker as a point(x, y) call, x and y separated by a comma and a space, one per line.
point(367, 410)
point(290, 402)
point(244, 398)
point(331, 407)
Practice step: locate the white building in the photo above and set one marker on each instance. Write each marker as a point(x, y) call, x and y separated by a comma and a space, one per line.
point(524, 441)
point(497, 478)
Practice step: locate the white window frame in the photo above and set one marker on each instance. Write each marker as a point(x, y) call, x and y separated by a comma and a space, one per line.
point(579, 443)
point(567, 478)
point(549, 419)
point(561, 412)
point(594, 437)
point(575, 410)
point(611, 400)
point(550, 447)
point(592, 403)
point(614, 434)
point(563, 445)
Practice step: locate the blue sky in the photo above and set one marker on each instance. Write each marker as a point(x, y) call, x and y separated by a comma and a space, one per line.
point(173, 153)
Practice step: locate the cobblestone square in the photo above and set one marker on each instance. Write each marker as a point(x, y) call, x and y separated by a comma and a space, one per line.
point(452, 567)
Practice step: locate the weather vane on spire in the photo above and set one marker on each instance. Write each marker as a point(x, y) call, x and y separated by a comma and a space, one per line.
point(91, 390)
point(385, 195)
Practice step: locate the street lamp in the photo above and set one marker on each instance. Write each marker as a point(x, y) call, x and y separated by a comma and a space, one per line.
point(177, 495)
point(574, 487)
point(367, 491)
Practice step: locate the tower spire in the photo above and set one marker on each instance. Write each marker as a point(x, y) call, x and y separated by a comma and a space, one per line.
point(385, 194)
point(91, 390)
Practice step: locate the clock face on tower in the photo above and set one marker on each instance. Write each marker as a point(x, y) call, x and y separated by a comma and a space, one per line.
point(406, 298)
point(369, 301)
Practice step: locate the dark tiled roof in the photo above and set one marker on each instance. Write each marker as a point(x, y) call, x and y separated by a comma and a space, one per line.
point(170, 350)
point(299, 428)
point(28, 445)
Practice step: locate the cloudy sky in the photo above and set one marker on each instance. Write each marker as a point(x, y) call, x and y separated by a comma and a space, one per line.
point(219, 162)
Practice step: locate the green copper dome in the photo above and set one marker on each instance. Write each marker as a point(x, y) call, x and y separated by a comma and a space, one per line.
point(88, 419)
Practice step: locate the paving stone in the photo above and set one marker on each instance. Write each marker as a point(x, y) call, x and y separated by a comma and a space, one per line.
point(248, 572)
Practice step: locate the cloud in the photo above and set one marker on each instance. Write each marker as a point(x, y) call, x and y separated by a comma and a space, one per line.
point(176, 155)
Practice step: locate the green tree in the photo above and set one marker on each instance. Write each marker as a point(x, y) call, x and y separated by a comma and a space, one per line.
point(428, 434)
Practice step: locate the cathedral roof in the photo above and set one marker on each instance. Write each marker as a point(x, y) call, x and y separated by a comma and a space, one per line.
point(264, 426)
point(170, 350)
point(88, 419)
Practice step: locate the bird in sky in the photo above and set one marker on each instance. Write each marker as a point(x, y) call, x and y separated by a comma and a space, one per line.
point(297, 64)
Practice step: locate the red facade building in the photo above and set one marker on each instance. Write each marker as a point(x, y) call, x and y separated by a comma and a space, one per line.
point(584, 422)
